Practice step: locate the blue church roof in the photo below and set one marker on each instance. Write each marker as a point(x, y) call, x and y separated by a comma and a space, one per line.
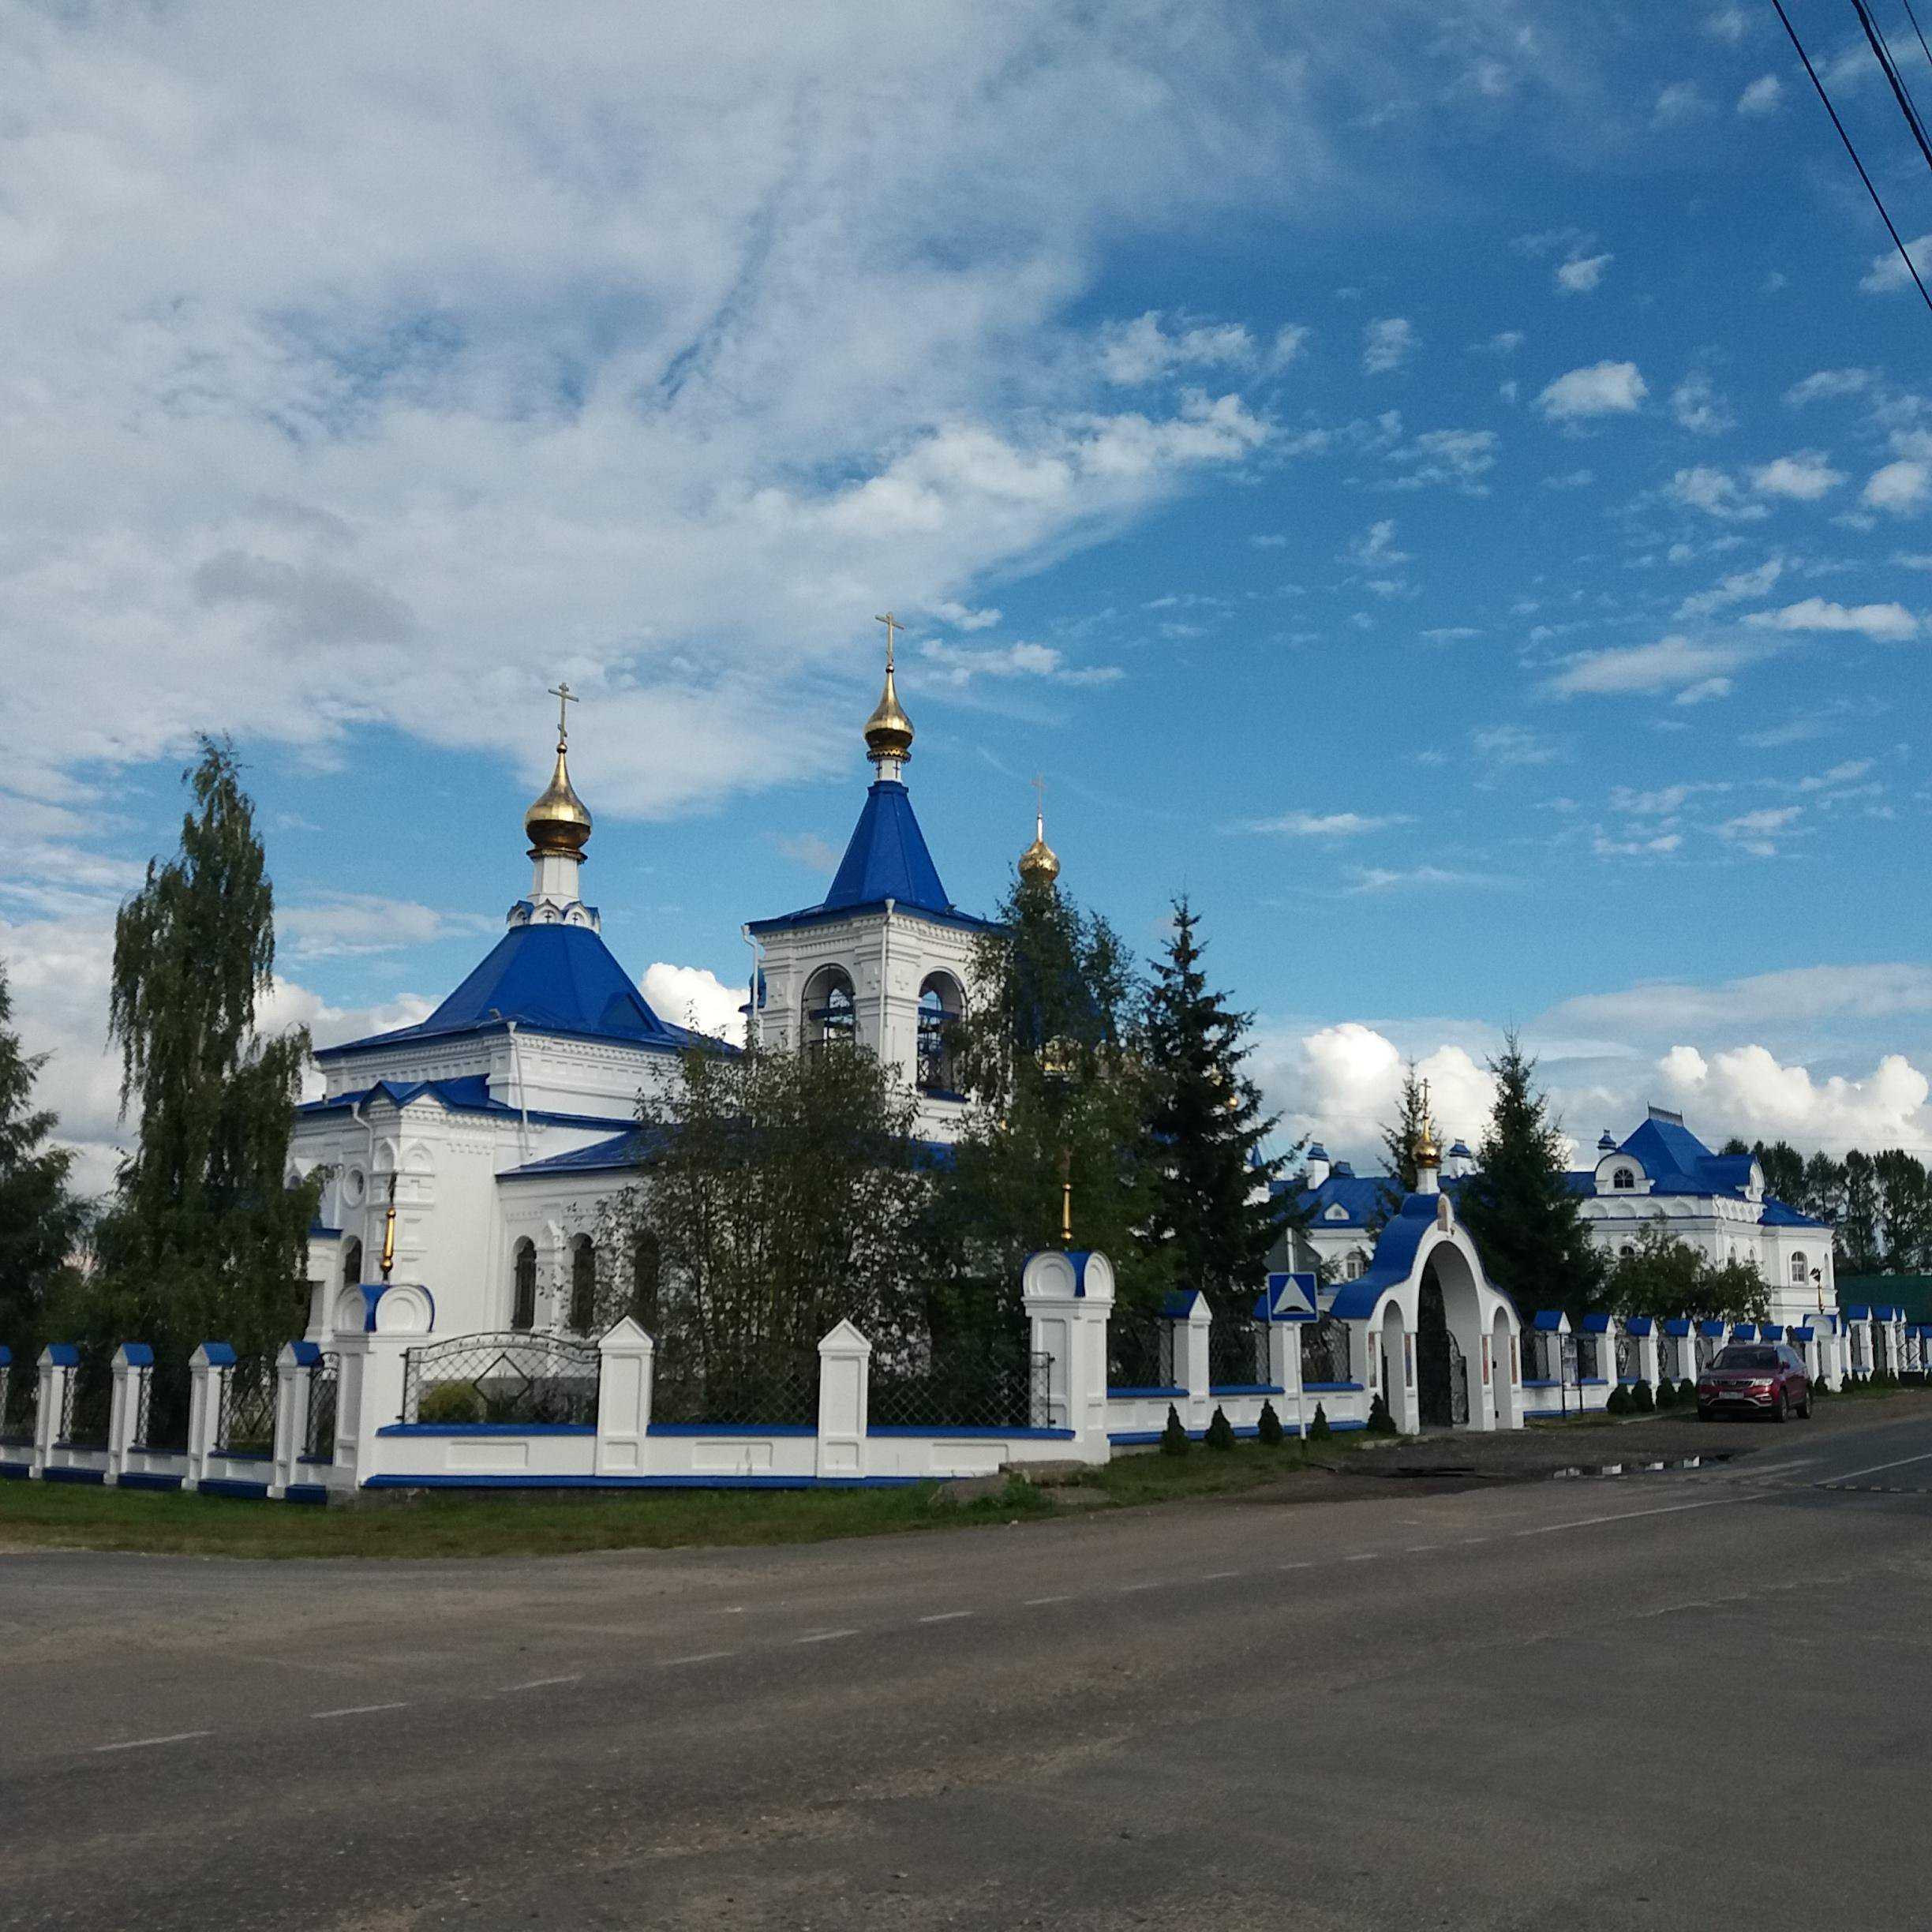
point(885, 858)
point(551, 979)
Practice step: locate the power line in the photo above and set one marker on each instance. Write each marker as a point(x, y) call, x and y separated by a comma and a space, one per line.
point(1882, 53)
point(1920, 31)
point(1909, 269)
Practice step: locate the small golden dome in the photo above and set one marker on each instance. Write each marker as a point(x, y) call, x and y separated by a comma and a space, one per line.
point(889, 730)
point(1039, 864)
point(1427, 1152)
point(559, 823)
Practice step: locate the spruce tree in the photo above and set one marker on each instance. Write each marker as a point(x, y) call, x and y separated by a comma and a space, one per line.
point(39, 1217)
point(1518, 1208)
point(1215, 1209)
point(206, 1240)
point(1398, 1140)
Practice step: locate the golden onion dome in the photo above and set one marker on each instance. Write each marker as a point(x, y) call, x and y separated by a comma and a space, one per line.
point(559, 823)
point(1039, 864)
point(889, 730)
point(1427, 1154)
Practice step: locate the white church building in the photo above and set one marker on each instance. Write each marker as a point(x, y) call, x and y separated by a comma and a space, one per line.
point(1661, 1173)
point(499, 1127)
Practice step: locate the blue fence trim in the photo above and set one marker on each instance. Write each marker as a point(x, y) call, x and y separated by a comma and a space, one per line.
point(487, 1428)
point(1245, 1388)
point(733, 1428)
point(148, 1479)
point(309, 1494)
point(991, 1435)
point(1528, 1383)
point(15, 1471)
point(1330, 1388)
point(73, 1475)
point(233, 1486)
point(1591, 1382)
point(1130, 1394)
point(647, 1482)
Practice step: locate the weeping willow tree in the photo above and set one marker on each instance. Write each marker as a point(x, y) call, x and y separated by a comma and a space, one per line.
point(40, 1218)
point(205, 1240)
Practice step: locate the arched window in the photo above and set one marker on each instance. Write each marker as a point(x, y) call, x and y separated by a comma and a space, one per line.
point(1623, 1178)
point(1627, 1252)
point(352, 1264)
point(1353, 1267)
point(1800, 1271)
point(939, 1011)
point(583, 1284)
point(830, 1020)
point(523, 1286)
point(645, 1264)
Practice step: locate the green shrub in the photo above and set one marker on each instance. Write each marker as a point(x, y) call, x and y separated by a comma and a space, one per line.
point(1822, 1386)
point(451, 1402)
point(1666, 1393)
point(1220, 1430)
point(1268, 1429)
point(1619, 1402)
point(1643, 1397)
point(1380, 1421)
point(1173, 1437)
point(1687, 1391)
point(1319, 1430)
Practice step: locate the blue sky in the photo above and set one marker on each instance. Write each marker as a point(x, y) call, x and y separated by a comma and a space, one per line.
point(1450, 488)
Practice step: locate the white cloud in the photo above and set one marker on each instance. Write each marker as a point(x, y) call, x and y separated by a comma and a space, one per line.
point(1758, 832)
point(1888, 273)
point(963, 617)
point(1569, 480)
point(1762, 96)
point(1327, 825)
point(1805, 476)
point(1581, 273)
point(1697, 406)
point(1729, 25)
point(1672, 664)
point(1376, 545)
point(1339, 1084)
point(1290, 339)
point(1885, 623)
point(957, 665)
point(1754, 1095)
point(1503, 342)
point(1458, 458)
point(1828, 385)
point(1385, 878)
point(1738, 587)
point(1715, 494)
point(1902, 488)
point(1144, 350)
point(1602, 389)
point(692, 996)
point(1511, 745)
point(1677, 103)
point(352, 925)
point(1387, 344)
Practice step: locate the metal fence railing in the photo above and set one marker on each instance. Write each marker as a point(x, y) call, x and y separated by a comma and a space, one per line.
point(319, 1423)
point(245, 1417)
point(20, 1402)
point(1585, 1351)
point(1237, 1354)
point(778, 1395)
point(512, 1378)
point(983, 1389)
point(161, 1408)
point(87, 1403)
point(1627, 1359)
point(1325, 1351)
point(1140, 1353)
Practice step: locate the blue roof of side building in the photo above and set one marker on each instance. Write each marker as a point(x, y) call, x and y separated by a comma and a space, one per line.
point(549, 980)
point(886, 858)
point(470, 1095)
point(628, 1150)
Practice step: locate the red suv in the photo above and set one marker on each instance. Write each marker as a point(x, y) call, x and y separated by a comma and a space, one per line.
point(1755, 1379)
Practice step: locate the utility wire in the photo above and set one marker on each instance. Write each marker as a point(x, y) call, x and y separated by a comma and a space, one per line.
point(1882, 53)
point(1920, 31)
point(1909, 269)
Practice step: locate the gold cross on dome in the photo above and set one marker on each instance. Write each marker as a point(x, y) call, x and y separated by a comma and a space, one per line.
point(1039, 795)
point(564, 696)
point(892, 623)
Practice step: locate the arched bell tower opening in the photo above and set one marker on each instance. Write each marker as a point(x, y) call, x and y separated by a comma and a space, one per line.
point(831, 1015)
point(942, 1005)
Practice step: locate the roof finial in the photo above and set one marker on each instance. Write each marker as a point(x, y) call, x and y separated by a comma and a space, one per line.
point(1039, 864)
point(564, 696)
point(1426, 1152)
point(889, 730)
point(559, 823)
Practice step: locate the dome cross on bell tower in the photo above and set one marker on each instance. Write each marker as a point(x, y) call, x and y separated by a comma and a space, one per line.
point(1039, 864)
point(558, 827)
point(889, 730)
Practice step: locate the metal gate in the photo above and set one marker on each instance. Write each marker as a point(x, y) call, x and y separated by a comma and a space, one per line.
point(1458, 1385)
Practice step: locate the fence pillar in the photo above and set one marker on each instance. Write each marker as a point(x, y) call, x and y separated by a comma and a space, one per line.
point(376, 1328)
point(626, 1362)
point(295, 1367)
point(845, 1400)
point(1650, 1368)
point(7, 1372)
point(58, 1361)
point(1070, 1299)
point(207, 1372)
point(1193, 1328)
point(133, 1363)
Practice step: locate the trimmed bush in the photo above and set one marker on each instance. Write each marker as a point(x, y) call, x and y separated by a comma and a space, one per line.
point(1319, 1430)
point(1619, 1402)
point(451, 1402)
point(1173, 1437)
point(1220, 1430)
point(1667, 1394)
point(1380, 1421)
point(1642, 1397)
point(1268, 1428)
point(1823, 1386)
point(1687, 1391)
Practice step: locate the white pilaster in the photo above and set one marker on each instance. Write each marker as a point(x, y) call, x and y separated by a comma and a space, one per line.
point(625, 1363)
point(844, 1396)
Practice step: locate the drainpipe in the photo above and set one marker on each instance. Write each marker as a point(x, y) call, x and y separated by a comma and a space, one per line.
point(885, 973)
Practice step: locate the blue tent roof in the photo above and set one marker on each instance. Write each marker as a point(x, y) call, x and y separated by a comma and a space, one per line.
point(551, 979)
point(468, 1095)
point(886, 858)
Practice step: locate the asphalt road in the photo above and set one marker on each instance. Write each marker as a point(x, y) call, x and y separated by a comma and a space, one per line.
point(1692, 1699)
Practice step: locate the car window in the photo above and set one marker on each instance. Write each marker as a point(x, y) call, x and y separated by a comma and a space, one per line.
point(1746, 1358)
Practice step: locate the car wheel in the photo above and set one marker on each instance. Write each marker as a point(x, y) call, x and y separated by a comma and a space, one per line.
point(1777, 1406)
point(1804, 1412)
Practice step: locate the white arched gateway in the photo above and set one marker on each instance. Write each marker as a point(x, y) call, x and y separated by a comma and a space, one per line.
point(1439, 1341)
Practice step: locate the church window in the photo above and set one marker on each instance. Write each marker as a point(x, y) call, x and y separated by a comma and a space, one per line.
point(1623, 1178)
point(352, 1264)
point(523, 1286)
point(939, 1012)
point(830, 1017)
point(1798, 1270)
point(1627, 1252)
point(583, 1284)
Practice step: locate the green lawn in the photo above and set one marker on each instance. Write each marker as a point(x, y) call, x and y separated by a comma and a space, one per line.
point(556, 1522)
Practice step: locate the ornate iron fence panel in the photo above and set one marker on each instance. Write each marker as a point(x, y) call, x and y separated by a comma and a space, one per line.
point(1626, 1358)
point(87, 1404)
point(776, 1395)
point(992, 1388)
point(1140, 1352)
point(1586, 1352)
point(319, 1424)
point(161, 1408)
point(244, 1418)
point(1325, 1350)
point(1237, 1354)
point(1458, 1385)
point(1535, 1356)
point(20, 1405)
point(516, 1379)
